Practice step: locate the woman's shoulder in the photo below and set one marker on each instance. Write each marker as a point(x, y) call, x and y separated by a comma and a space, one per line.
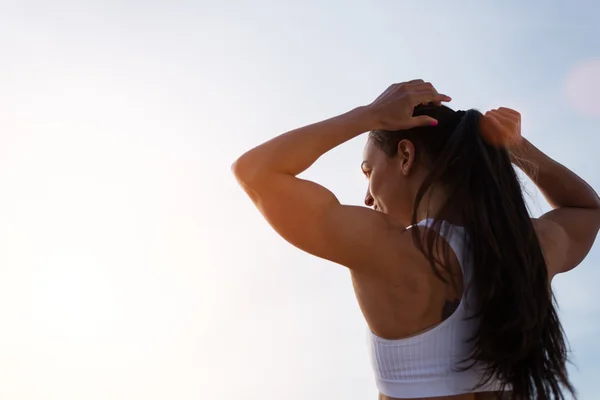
point(398, 256)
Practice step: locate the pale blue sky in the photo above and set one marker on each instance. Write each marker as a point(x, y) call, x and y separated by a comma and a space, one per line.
point(131, 264)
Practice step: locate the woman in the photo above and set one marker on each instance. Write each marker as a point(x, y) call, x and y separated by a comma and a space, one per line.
point(451, 273)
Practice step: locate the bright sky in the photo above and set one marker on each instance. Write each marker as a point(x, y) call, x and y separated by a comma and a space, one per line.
point(131, 264)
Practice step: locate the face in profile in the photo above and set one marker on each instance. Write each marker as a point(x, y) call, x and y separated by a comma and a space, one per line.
point(389, 179)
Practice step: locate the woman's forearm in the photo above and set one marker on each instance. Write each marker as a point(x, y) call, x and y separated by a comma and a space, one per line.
point(560, 186)
point(295, 151)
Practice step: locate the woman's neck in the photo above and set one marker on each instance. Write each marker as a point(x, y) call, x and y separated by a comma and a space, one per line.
point(433, 205)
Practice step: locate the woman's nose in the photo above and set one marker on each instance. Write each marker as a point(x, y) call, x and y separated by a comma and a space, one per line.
point(369, 199)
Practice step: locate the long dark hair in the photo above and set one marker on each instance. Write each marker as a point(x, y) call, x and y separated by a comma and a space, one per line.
point(519, 339)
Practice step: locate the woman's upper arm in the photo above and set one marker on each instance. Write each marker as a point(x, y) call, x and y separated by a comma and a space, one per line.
point(567, 236)
point(311, 218)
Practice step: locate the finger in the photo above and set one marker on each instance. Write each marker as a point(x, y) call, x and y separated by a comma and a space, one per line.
point(510, 111)
point(493, 118)
point(506, 114)
point(492, 130)
point(428, 96)
point(496, 124)
point(422, 120)
point(426, 86)
point(419, 86)
point(505, 119)
point(423, 87)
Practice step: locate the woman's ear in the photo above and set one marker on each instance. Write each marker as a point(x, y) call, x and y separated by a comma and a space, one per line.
point(406, 156)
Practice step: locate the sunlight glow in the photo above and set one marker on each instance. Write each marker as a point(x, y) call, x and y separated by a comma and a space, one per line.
point(582, 87)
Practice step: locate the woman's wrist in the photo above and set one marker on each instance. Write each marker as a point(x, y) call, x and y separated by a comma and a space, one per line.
point(522, 148)
point(523, 152)
point(364, 118)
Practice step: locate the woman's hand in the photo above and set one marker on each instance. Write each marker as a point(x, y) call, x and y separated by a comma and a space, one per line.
point(393, 109)
point(502, 128)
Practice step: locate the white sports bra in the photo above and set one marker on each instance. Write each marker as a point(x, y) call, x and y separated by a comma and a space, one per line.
point(425, 365)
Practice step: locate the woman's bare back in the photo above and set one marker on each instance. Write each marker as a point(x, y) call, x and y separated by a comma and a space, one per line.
point(399, 305)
